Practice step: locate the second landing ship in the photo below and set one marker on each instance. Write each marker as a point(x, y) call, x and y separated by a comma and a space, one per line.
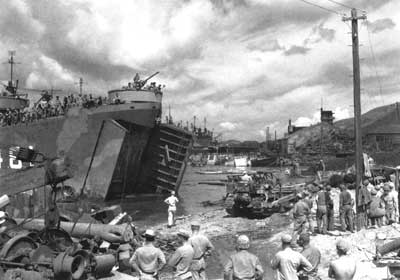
point(113, 149)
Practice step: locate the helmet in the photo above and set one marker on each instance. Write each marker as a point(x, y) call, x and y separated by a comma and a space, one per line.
point(286, 239)
point(243, 242)
point(195, 224)
point(343, 245)
point(149, 233)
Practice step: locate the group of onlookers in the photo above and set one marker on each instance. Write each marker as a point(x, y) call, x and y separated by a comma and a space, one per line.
point(188, 260)
point(377, 206)
point(48, 107)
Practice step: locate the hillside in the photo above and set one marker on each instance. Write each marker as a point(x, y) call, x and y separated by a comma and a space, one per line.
point(369, 119)
point(339, 137)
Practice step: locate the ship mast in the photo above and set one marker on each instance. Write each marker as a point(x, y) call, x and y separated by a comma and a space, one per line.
point(80, 85)
point(357, 107)
point(10, 87)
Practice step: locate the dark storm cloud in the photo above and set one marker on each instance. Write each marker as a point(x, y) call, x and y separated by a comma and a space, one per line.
point(294, 50)
point(337, 74)
point(264, 45)
point(380, 25)
point(325, 33)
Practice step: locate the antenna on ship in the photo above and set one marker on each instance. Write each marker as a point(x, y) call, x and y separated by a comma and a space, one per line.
point(10, 87)
point(80, 83)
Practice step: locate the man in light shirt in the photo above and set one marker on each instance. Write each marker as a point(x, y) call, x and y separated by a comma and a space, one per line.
point(171, 201)
point(202, 247)
point(243, 265)
point(287, 261)
point(182, 259)
point(148, 260)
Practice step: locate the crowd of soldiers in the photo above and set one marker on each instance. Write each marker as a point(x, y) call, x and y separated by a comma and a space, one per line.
point(188, 259)
point(298, 262)
point(377, 202)
point(48, 107)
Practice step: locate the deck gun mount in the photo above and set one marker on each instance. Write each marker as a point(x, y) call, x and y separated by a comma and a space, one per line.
point(139, 84)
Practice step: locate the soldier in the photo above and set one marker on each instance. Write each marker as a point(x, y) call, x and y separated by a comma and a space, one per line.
point(172, 200)
point(246, 177)
point(183, 257)
point(322, 211)
point(395, 195)
point(390, 205)
point(376, 209)
point(243, 265)
point(308, 199)
point(312, 254)
point(330, 208)
point(345, 209)
point(364, 199)
point(344, 268)
point(287, 261)
point(148, 260)
point(202, 247)
point(301, 211)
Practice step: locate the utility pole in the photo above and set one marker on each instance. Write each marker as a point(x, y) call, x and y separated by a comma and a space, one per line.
point(320, 140)
point(361, 213)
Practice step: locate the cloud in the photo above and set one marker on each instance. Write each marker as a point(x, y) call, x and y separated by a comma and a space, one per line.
point(380, 25)
point(294, 50)
point(228, 125)
point(243, 64)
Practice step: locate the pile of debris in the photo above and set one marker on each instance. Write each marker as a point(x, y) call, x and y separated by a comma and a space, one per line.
point(40, 249)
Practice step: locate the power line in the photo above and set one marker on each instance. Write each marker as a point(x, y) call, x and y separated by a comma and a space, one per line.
point(344, 5)
point(340, 4)
point(321, 7)
point(374, 60)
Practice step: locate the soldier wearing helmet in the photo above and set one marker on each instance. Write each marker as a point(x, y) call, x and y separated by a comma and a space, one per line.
point(243, 265)
point(148, 260)
point(301, 212)
point(287, 261)
point(182, 259)
point(202, 248)
point(390, 204)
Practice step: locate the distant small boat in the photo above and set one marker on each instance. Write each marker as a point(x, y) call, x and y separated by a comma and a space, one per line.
point(211, 159)
point(261, 162)
point(241, 161)
point(210, 172)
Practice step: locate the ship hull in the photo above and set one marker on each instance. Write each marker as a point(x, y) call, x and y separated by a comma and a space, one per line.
point(77, 135)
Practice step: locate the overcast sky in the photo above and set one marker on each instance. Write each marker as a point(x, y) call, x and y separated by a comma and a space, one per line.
point(244, 65)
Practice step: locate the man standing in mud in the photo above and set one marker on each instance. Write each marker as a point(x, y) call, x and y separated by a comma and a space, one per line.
point(301, 212)
point(172, 200)
point(202, 247)
point(287, 261)
point(322, 210)
point(148, 260)
point(243, 265)
point(182, 259)
point(364, 199)
point(330, 208)
point(390, 205)
point(312, 254)
point(344, 268)
point(345, 209)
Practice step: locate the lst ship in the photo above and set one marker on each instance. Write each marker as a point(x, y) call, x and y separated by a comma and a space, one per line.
point(114, 149)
